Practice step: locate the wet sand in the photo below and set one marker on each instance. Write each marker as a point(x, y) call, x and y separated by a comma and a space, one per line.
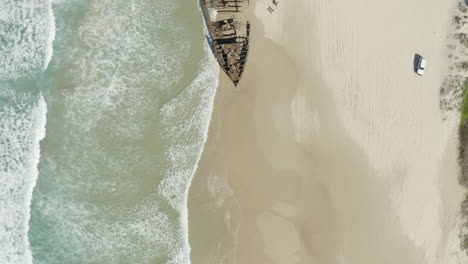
point(324, 154)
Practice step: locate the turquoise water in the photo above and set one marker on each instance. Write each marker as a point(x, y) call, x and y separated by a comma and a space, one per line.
point(125, 100)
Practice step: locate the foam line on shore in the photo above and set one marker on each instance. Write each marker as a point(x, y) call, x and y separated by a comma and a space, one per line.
point(188, 137)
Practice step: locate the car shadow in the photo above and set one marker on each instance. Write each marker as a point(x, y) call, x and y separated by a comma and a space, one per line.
point(415, 62)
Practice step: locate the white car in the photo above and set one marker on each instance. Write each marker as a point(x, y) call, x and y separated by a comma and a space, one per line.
point(421, 66)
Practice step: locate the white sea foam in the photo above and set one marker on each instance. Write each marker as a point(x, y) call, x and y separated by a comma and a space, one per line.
point(83, 232)
point(22, 126)
point(114, 46)
point(26, 35)
point(49, 46)
point(187, 133)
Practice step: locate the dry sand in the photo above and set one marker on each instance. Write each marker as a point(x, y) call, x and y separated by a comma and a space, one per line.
point(332, 150)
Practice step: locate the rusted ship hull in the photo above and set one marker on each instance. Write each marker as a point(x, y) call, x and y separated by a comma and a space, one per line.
point(228, 35)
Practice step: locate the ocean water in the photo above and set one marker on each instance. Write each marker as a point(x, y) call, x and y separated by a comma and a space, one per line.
point(104, 108)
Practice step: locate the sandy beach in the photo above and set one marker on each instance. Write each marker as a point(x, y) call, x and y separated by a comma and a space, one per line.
point(331, 149)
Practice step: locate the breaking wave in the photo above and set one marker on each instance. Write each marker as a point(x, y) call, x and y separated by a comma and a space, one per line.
point(26, 36)
point(27, 30)
point(22, 126)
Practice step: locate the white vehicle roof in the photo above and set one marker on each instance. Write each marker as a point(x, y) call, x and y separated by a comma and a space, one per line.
point(422, 63)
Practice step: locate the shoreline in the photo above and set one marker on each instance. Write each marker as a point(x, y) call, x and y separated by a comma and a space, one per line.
point(307, 159)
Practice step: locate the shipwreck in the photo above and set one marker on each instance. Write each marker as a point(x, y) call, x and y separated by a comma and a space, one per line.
point(228, 34)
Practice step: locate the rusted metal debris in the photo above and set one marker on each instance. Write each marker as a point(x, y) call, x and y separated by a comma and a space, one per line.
point(228, 34)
